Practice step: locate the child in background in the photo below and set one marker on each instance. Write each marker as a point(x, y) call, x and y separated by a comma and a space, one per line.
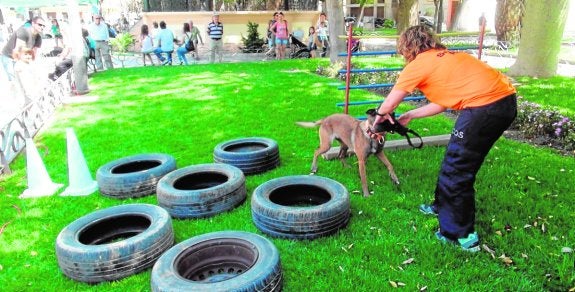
point(312, 41)
point(147, 43)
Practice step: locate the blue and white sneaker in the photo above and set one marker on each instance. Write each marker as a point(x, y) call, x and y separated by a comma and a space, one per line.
point(469, 243)
point(428, 209)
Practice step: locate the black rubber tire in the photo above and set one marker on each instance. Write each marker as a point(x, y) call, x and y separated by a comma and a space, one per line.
point(251, 155)
point(201, 190)
point(219, 261)
point(133, 176)
point(300, 207)
point(114, 243)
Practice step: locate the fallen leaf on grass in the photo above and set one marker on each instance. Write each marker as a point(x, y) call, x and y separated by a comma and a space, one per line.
point(396, 284)
point(525, 256)
point(566, 250)
point(506, 260)
point(408, 261)
point(489, 250)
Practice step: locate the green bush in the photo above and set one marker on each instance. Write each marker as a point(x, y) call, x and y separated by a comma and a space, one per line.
point(252, 43)
point(122, 42)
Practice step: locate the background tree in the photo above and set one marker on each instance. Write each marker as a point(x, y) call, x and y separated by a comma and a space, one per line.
point(407, 14)
point(508, 15)
point(541, 35)
point(336, 28)
point(438, 15)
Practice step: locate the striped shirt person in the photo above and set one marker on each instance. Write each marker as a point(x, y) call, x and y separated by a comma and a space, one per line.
point(215, 33)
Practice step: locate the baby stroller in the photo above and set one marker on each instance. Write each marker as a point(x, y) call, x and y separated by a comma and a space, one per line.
point(298, 49)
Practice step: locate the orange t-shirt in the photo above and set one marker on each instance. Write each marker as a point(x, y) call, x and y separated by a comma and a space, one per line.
point(454, 80)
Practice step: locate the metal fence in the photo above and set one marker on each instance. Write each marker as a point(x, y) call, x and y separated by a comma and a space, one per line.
point(30, 120)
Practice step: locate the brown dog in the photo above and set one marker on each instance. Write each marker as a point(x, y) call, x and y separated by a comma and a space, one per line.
point(350, 132)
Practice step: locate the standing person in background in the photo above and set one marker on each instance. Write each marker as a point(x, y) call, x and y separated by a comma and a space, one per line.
point(99, 32)
point(487, 105)
point(322, 28)
point(281, 35)
point(182, 50)
point(165, 44)
point(154, 33)
point(24, 37)
point(312, 41)
point(147, 44)
point(216, 33)
point(271, 34)
point(57, 33)
point(196, 38)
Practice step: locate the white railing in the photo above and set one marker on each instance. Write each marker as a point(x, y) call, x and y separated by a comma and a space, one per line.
point(30, 120)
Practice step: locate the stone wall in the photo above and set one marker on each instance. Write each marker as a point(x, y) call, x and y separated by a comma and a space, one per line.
point(235, 23)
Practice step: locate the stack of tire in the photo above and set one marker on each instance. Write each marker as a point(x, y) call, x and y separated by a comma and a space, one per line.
point(300, 207)
point(219, 261)
point(113, 243)
point(251, 155)
point(201, 190)
point(133, 176)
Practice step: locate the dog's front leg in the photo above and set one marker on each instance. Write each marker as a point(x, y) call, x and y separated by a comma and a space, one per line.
point(363, 176)
point(387, 164)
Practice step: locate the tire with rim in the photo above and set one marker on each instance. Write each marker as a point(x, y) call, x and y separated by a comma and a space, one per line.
point(133, 176)
point(114, 243)
point(201, 190)
point(219, 261)
point(300, 207)
point(251, 155)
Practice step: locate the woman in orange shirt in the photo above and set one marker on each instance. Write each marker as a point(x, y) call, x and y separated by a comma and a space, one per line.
point(487, 104)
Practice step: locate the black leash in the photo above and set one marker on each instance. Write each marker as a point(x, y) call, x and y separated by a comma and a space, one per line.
point(396, 127)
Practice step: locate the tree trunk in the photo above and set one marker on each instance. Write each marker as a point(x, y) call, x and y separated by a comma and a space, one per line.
point(336, 28)
point(438, 15)
point(407, 14)
point(508, 14)
point(540, 38)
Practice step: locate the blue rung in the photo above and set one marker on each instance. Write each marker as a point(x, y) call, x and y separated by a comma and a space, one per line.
point(363, 86)
point(343, 71)
point(409, 98)
point(464, 48)
point(369, 53)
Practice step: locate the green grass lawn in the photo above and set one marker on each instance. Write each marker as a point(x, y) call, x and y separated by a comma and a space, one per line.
point(525, 194)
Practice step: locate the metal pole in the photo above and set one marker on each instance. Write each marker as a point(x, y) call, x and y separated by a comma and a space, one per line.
point(481, 34)
point(348, 63)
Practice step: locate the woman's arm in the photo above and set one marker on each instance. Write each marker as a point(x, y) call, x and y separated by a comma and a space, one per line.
point(427, 110)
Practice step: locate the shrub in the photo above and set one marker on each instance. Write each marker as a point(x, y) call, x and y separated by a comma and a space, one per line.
point(546, 125)
point(253, 42)
point(122, 42)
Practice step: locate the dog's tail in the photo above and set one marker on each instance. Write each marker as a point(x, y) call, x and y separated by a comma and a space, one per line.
point(308, 124)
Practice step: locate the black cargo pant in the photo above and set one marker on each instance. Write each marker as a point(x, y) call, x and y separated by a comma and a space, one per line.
point(475, 132)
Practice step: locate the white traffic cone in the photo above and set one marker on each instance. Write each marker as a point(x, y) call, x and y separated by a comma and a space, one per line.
point(80, 179)
point(39, 182)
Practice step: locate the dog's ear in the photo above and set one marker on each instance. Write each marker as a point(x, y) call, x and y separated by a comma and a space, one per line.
point(370, 112)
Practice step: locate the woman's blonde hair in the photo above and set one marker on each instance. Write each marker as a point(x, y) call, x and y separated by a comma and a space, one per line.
point(415, 40)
